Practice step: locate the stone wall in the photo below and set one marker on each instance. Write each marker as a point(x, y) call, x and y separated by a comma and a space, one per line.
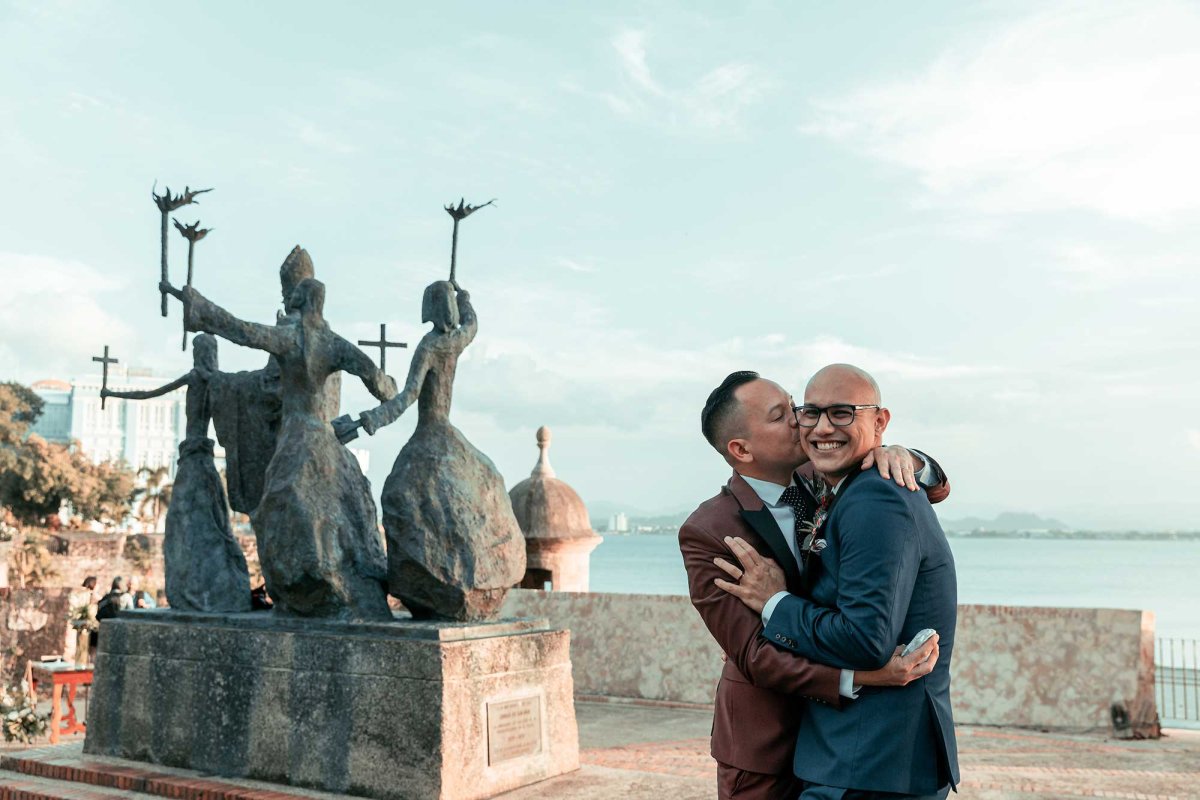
point(33, 623)
point(78, 554)
point(107, 555)
point(1063, 669)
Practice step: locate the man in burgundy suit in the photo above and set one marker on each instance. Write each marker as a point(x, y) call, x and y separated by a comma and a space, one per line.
point(749, 420)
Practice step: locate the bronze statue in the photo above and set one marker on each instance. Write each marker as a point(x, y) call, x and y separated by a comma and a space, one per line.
point(205, 566)
point(454, 546)
point(319, 547)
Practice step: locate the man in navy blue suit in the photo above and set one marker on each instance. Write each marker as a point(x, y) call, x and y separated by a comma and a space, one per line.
point(880, 570)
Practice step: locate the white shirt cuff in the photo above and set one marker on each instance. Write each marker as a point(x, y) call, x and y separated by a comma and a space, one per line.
point(769, 608)
point(926, 475)
point(846, 687)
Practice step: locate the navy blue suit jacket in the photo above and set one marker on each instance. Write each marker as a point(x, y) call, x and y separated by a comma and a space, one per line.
point(886, 573)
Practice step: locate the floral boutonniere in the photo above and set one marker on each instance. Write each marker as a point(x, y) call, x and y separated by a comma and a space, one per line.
point(813, 543)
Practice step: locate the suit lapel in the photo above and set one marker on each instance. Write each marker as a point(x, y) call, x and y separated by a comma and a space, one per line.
point(815, 565)
point(759, 518)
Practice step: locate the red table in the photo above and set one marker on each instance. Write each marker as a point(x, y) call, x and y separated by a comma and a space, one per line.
point(60, 675)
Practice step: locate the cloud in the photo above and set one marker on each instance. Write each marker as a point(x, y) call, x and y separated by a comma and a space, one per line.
point(307, 132)
point(558, 352)
point(575, 266)
point(715, 101)
point(1066, 109)
point(631, 50)
point(1094, 268)
point(52, 318)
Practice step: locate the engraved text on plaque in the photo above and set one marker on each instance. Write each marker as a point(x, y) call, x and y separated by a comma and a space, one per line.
point(514, 729)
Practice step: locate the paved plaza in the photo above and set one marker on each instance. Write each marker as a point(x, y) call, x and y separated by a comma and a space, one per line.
point(657, 752)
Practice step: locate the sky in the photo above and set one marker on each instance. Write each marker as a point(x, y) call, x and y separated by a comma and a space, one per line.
point(992, 207)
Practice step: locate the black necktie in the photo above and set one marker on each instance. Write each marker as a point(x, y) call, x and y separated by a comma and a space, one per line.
point(801, 503)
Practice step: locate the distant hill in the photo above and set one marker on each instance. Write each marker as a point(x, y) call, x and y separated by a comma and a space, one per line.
point(1006, 522)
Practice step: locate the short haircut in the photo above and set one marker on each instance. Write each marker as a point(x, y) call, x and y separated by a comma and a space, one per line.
point(722, 406)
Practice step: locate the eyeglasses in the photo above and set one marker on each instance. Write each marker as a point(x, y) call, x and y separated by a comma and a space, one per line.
point(839, 415)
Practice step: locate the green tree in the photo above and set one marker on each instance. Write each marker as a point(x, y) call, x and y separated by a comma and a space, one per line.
point(108, 491)
point(37, 477)
point(40, 477)
point(154, 495)
point(19, 409)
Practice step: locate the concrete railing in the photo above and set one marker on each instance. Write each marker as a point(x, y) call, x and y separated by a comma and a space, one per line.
point(1066, 669)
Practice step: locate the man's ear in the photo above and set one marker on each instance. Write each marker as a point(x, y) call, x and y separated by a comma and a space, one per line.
point(881, 422)
point(738, 451)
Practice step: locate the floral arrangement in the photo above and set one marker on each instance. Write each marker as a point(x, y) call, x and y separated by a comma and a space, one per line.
point(19, 716)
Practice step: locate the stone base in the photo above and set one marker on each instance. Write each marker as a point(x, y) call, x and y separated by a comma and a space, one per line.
point(404, 710)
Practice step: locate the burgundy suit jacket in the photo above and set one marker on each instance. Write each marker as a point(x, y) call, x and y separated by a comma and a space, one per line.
point(756, 712)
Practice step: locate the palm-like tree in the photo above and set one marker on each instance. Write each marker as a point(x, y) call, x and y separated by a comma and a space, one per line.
point(155, 494)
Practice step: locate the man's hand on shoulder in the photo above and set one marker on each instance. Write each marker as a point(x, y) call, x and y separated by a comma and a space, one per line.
point(895, 463)
point(903, 671)
point(757, 581)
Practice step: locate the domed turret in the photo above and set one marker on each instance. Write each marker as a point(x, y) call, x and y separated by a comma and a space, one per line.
point(558, 533)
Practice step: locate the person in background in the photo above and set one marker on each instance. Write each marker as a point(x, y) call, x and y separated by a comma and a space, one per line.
point(89, 583)
point(131, 585)
point(110, 604)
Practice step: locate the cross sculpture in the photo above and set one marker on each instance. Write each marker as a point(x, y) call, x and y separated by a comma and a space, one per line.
point(461, 212)
point(383, 344)
point(193, 233)
point(167, 203)
point(105, 360)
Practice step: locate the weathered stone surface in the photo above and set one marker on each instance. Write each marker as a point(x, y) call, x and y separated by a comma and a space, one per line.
point(454, 546)
point(247, 407)
point(204, 565)
point(318, 544)
point(386, 710)
point(1058, 669)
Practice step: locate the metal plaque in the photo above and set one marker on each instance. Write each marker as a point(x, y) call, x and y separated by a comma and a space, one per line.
point(514, 729)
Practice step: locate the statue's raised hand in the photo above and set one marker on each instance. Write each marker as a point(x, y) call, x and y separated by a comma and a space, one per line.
point(346, 429)
point(371, 421)
point(165, 286)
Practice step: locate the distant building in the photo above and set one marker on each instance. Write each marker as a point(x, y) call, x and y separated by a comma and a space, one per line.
point(618, 523)
point(143, 433)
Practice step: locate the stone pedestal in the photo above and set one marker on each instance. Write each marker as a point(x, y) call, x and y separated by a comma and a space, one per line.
point(400, 710)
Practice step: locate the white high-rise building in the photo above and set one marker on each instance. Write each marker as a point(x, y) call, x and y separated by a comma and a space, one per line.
point(618, 523)
point(144, 433)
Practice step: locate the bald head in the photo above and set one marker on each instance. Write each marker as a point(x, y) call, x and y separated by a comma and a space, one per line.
point(848, 378)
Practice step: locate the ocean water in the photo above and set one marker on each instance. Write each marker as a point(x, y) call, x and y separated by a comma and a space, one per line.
point(1159, 576)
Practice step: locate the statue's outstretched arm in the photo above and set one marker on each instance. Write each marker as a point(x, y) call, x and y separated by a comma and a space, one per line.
point(149, 393)
point(356, 362)
point(201, 314)
point(388, 412)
